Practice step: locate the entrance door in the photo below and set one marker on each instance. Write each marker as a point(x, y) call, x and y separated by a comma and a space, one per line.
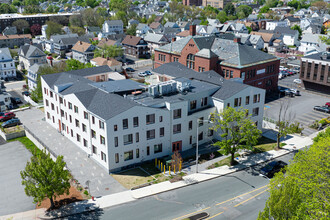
point(59, 125)
point(177, 146)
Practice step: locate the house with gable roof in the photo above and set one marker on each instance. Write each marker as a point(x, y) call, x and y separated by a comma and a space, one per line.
point(7, 64)
point(29, 55)
point(83, 52)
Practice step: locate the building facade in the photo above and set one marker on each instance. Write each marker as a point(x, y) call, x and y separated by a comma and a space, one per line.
point(83, 52)
point(216, 3)
point(7, 64)
point(135, 46)
point(14, 41)
point(315, 72)
point(192, 2)
point(29, 55)
point(120, 123)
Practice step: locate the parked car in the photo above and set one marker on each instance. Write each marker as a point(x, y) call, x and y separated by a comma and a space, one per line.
point(11, 123)
point(273, 167)
point(16, 100)
point(327, 104)
point(129, 69)
point(295, 92)
point(26, 93)
point(6, 116)
point(284, 73)
point(322, 109)
point(280, 76)
point(142, 74)
point(129, 62)
point(297, 81)
point(148, 72)
point(290, 73)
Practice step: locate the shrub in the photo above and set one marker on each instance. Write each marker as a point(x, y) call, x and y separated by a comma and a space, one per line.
point(86, 192)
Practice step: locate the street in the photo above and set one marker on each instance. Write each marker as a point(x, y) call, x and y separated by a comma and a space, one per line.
point(240, 195)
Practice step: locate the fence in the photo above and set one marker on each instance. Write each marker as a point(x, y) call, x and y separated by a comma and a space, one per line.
point(141, 63)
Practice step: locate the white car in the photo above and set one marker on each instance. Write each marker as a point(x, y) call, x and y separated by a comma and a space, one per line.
point(297, 81)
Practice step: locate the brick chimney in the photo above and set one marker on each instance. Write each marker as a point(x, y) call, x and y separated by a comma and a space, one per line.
point(80, 42)
point(237, 40)
point(192, 30)
point(173, 39)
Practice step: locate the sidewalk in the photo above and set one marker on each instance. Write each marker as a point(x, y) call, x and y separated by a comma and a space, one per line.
point(292, 142)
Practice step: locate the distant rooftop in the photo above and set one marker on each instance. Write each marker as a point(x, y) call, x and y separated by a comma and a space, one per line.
point(119, 86)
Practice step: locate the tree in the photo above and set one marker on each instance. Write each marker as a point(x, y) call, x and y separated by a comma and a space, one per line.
point(108, 51)
point(76, 20)
point(131, 30)
point(222, 17)
point(151, 19)
point(92, 3)
point(229, 9)
point(271, 3)
point(297, 27)
point(264, 9)
point(73, 64)
point(176, 161)
point(7, 9)
point(243, 11)
point(237, 129)
point(53, 28)
point(62, 20)
point(321, 6)
point(120, 5)
point(91, 18)
point(20, 25)
point(77, 30)
point(32, 9)
point(35, 29)
point(249, 29)
point(304, 191)
point(325, 39)
point(43, 178)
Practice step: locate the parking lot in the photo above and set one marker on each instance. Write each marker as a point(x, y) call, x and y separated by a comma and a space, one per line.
point(300, 107)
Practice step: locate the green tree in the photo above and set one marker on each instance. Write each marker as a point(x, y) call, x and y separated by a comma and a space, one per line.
point(16, 3)
point(53, 28)
point(91, 18)
point(92, 3)
point(118, 5)
point(76, 20)
point(73, 64)
point(222, 17)
point(271, 3)
point(237, 129)
point(243, 11)
point(304, 191)
point(249, 29)
point(20, 25)
point(32, 9)
point(43, 178)
point(325, 39)
point(264, 9)
point(108, 51)
point(229, 9)
point(151, 19)
point(7, 9)
point(297, 27)
point(77, 30)
point(131, 30)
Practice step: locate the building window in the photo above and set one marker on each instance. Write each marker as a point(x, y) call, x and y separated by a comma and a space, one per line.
point(101, 124)
point(78, 137)
point(71, 133)
point(238, 102)
point(150, 119)
point(200, 136)
point(231, 74)
point(61, 100)
point(137, 137)
point(190, 125)
point(48, 115)
point(190, 140)
point(177, 113)
point(103, 157)
point(102, 140)
point(85, 115)
point(47, 104)
point(193, 105)
point(115, 127)
point(117, 158)
point(191, 61)
point(160, 118)
point(52, 106)
point(255, 111)
point(94, 150)
point(148, 151)
point(158, 148)
point(51, 94)
point(83, 127)
point(161, 131)
point(93, 133)
point(176, 128)
point(116, 141)
point(70, 118)
point(70, 105)
point(137, 153)
point(210, 132)
point(227, 73)
point(125, 123)
point(228, 105)
point(151, 134)
point(201, 69)
point(75, 109)
point(85, 143)
point(200, 121)
point(128, 139)
point(77, 123)
point(136, 121)
point(256, 98)
point(128, 155)
point(247, 100)
point(93, 119)
point(204, 101)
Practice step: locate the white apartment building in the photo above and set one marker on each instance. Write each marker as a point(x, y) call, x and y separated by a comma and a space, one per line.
point(121, 123)
point(7, 64)
point(271, 25)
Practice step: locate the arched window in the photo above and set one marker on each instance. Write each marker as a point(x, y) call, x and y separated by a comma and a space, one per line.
point(191, 61)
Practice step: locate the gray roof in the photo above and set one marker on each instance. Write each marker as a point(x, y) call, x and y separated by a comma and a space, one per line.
point(74, 40)
point(228, 89)
point(312, 38)
point(119, 85)
point(155, 38)
point(170, 24)
point(207, 53)
point(293, 19)
point(285, 31)
point(58, 37)
point(94, 29)
point(34, 68)
point(29, 49)
point(141, 26)
point(322, 56)
point(114, 22)
point(254, 38)
point(6, 51)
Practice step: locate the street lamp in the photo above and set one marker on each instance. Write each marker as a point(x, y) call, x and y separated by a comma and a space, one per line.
point(198, 121)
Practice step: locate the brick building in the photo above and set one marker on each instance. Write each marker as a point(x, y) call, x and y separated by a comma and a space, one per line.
point(229, 58)
point(192, 2)
point(216, 3)
point(315, 72)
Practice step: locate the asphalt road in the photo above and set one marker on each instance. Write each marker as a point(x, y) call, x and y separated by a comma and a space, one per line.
point(237, 196)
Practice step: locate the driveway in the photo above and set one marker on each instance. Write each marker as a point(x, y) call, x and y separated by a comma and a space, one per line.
point(81, 167)
point(13, 158)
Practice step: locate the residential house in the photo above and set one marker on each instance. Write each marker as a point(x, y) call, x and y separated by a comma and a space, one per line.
point(184, 25)
point(93, 30)
point(156, 26)
point(155, 40)
point(311, 43)
point(205, 30)
point(142, 29)
point(268, 38)
point(111, 27)
point(257, 42)
point(171, 25)
point(182, 34)
point(292, 21)
point(135, 46)
point(83, 51)
point(315, 72)
point(239, 28)
point(120, 124)
point(64, 45)
point(7, 64)
point(29, 55)
point(106, 41)
point(169, 32)
point(229, 58)
point(133, 21)
point(32, 76)
point(290, 37)
point(213, 22)
point(311, 25)
point(15, 41)
point(111, 62)
point(271, 25)
point(49, 44)
point(10, 31)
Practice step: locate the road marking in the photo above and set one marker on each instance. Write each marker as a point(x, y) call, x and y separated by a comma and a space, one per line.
point(242, 195)
point(215, 215)
point(250, 198)
point(191, 213)
point(169, 201)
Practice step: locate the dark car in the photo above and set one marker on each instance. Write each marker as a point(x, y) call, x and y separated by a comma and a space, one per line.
point(129, 69)
point(16, 100)
point(322, 109)
point(6, 116)
point(327, 104)
point(273, 167)
point(129, 62)
point(11, 123)
point(26, 93)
